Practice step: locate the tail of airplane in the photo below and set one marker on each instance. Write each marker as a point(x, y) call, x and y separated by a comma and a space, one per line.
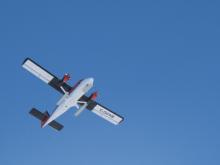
point(46, 117)
point(43, 117)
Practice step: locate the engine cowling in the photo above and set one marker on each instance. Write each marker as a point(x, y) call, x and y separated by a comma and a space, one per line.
point(65, 78)
point(93, 96)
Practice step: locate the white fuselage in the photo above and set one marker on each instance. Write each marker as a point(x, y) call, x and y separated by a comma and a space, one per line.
point(70, 100)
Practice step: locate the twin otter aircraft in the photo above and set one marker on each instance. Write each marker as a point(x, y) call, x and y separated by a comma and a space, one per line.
point(72, 97)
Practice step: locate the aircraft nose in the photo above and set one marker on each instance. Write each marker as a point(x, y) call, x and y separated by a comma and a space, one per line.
point(91, 80)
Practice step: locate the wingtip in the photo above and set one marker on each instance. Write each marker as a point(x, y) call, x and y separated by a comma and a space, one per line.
point(25, 60)
point(121, 120)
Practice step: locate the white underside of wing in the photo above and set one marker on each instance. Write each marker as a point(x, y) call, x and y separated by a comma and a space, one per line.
point(107, 115)
point(37, 71)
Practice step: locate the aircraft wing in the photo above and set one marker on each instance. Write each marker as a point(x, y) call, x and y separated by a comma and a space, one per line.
point(45, 75)
point(102, 111)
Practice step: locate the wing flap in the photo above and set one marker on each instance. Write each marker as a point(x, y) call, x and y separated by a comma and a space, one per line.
point(55, 83)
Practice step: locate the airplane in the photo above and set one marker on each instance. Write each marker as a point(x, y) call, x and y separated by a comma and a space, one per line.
point(73, 96)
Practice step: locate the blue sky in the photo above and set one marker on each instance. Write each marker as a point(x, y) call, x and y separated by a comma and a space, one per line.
point(154, 62)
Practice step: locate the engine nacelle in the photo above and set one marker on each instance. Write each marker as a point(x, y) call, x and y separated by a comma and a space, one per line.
point(65, 78)
point(93, 96)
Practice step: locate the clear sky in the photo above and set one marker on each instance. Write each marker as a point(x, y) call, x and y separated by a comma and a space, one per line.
point(154, 62)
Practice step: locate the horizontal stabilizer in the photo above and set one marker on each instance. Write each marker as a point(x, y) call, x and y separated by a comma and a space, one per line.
point(41, 116)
